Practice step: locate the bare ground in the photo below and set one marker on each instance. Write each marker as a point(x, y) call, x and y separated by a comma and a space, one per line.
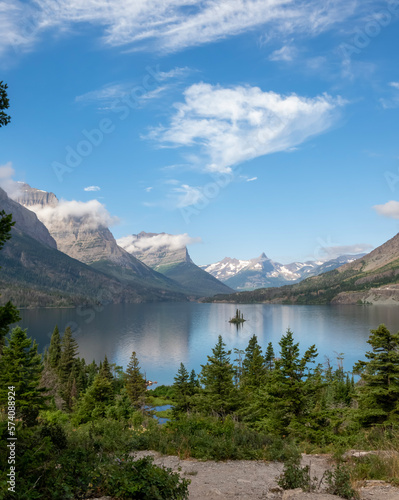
point(256, 480)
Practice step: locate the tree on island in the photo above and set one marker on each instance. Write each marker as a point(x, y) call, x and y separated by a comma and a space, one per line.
point(238, 318)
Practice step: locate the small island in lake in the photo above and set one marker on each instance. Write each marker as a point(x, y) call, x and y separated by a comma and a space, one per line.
point(238, 318)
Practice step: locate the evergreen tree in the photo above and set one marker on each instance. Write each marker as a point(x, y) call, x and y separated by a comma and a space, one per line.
point(182, 390)
point(288, 397)
point(21, 367)
point(193, 383)
point(136, 386)
point(105, 369)
point(92, 370)
point(67, 366)
point(54, 352)
point(69, 350)
point(378, 394)
point(269, 357)
point(253, 364)
point(96, 401)
point(217, 377)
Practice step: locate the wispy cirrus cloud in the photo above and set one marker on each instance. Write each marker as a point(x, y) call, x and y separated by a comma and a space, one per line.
point(92, 188)
point(172, 25)
point(287, 53)
point(232, 125)
point(332, 252)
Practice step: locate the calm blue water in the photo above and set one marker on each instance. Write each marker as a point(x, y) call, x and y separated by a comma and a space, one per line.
point(165, 334)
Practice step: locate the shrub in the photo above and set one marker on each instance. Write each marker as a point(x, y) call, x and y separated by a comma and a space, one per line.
point(295, 476)
point(339, 482)
point(141, 480)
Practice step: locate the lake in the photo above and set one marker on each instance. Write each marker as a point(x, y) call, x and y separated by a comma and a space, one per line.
point(165, 334)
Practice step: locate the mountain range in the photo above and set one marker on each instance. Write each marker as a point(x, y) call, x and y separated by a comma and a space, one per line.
point(263, 272)
point(158, 251)
point(35, 274)
point(69, 229)
point(373, 278)
point(63, 253)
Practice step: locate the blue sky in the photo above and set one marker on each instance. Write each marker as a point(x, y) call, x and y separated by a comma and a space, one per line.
point(254, 126)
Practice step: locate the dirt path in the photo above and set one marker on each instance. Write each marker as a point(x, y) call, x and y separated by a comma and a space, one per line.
point(255, 480)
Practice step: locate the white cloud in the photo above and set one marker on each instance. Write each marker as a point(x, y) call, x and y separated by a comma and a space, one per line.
point(133, 243)
point(252, 179)
point(107, 94)
point(91, 214)
point(171, 25)
point(232, 125)
point(92, 188)
point(187, 195)
point(389, 209)
point(333, 252)
point(395, 85)
point(148, 189)
point(174, 73)
point(286, 53)
point(11, 187)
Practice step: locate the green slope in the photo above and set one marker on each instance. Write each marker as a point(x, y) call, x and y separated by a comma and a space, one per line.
point(193, 279)
point(35, 275)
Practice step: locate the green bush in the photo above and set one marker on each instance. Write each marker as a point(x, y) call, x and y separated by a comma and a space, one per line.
point(91, 460)
point(295, 476)
point(339, 482)
point(141, 480)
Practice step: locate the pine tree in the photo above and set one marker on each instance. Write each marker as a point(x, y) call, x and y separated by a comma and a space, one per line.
point(269, 357)
point(290, 390)
point(21, 367)
point(135, 383)
point(193, 382)
point(379, 393)
point(182, 390)
point(96, 401)
point(91, 370)
point(217, 377)
point(69, 350)
point(253, 364)
point(67, 365)
point(54, 352)
point(8, 315)
point(105, 370)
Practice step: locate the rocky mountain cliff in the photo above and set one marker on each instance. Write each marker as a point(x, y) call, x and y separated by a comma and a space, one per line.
point(158, 257)
point(26, 221)
point(163, 254)
point(82, 236)
point(35, 274)
point(371, 279)
point(29, 196)
point(263, 272)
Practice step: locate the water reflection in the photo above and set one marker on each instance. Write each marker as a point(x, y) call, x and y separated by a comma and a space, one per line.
point(163, 335)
